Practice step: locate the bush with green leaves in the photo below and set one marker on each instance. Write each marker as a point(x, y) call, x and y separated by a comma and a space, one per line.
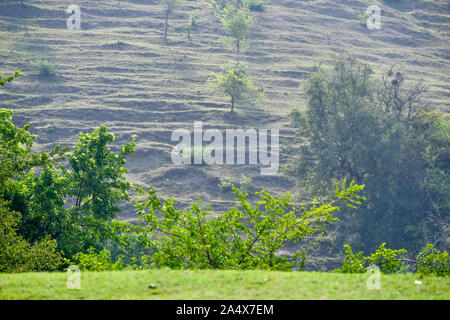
point(248, 237)
point(245, 183)
point(432, 261)
point(353, 262)
point(17, 255)
point(226, 184)
point(364, 17)
point(39, 186)
point(43, 68)
point(10, 78)
point(428, 261)
point(388, 260)
point(94, 260)
point(256, 5)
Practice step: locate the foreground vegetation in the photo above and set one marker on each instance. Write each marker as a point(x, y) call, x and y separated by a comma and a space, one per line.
point(214, 284)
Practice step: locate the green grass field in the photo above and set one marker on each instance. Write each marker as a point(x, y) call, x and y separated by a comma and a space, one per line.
point(220, 285)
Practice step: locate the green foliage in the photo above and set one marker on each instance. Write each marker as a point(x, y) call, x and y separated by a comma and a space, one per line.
point(15, 150)
point(3, 81)
point(246, 238)
point(432, 261)
point(226, 184)
point(428, 261)
point(96, 261)
point(388, 260)
point(17, 255)
point(377, 133)
point(237, 23)
point(233, 83)
point(353, 263)
point(245, 183)
point(43, 68)
point(97, 179)
point(256, 5)
point(364, 17)
point(38, 184)
point(192, 23)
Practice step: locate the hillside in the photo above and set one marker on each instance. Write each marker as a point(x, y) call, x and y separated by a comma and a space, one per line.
point(219, 285)
point(118, 71)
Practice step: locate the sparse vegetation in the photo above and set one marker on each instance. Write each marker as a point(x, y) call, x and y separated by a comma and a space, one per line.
point(226, 184)
point(245, 183)
point(43, 68)
point(169, 7)
point(364, 17)
point(237, 23)
point(192, 23)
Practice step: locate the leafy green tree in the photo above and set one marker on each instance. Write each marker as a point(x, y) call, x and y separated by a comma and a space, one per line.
point(96, 182)
point(376, 133)
point(16, 254)
point(16, 158)
point(233, 83)
point(249, 237)
point(169, 7)
point(38, 185)
point(237, 23)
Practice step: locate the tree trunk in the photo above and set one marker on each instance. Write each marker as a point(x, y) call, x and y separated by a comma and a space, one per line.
point(232, 104)
point(166, 25)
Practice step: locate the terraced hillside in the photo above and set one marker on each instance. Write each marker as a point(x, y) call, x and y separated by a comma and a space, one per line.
point(119, 72)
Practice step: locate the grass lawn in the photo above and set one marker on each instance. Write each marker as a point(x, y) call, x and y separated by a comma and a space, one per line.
point(220, 285)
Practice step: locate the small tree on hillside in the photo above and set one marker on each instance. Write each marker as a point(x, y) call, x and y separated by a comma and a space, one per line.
point(169, 7)
point(233, 83)
point(237, 23)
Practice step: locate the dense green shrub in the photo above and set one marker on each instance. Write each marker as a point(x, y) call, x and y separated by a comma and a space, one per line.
point(226, 184)
point(428, 261)
point(248, 237)
point(353, 263)
point(17, 255)
point(43, 68)
point(94, 260)
point(245, 183)
point(256, 5)
point(432, 261)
